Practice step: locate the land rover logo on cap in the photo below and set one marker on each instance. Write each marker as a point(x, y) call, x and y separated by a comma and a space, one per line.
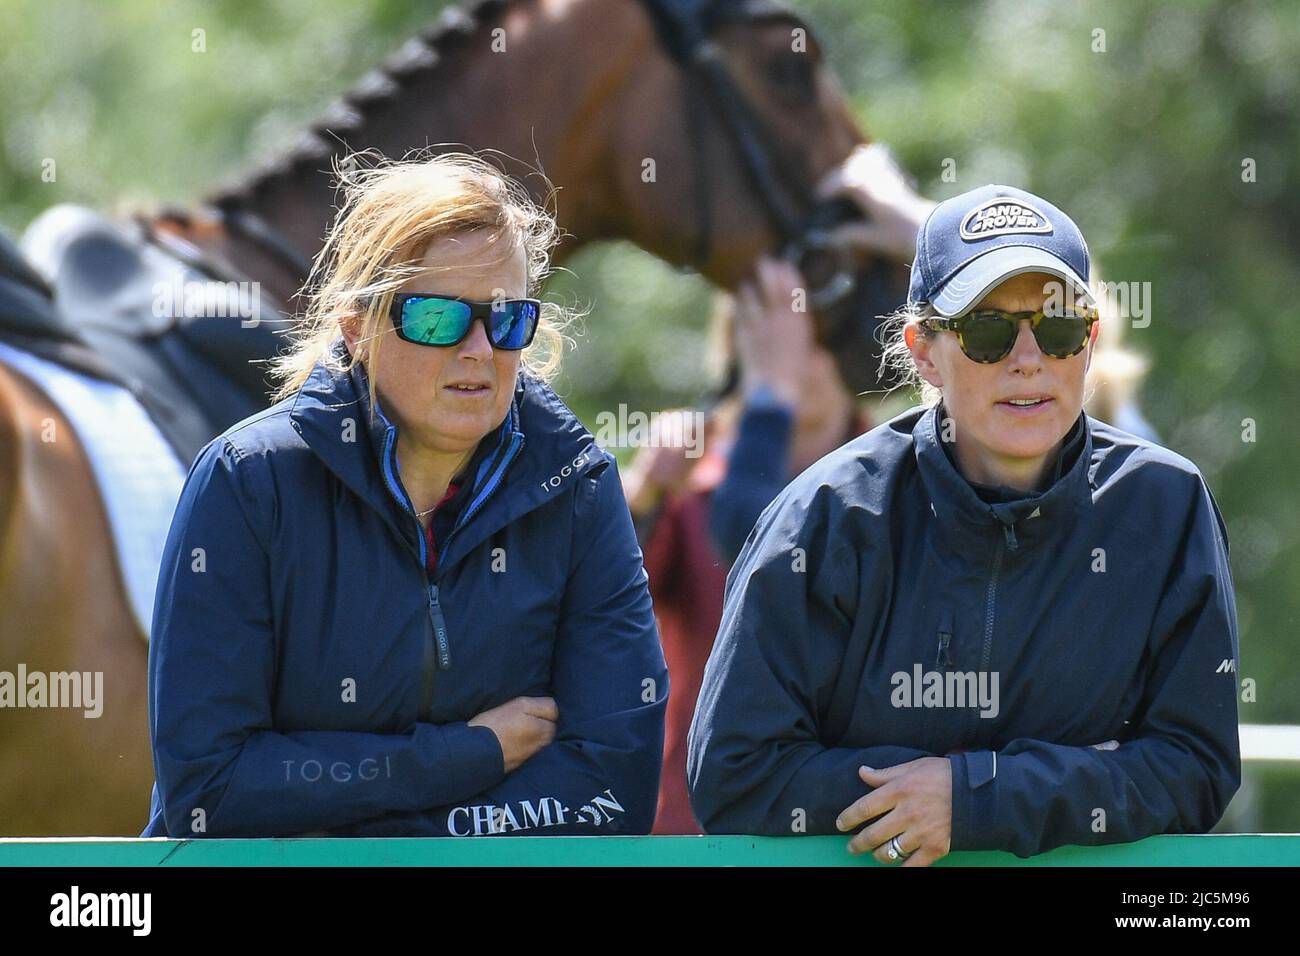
point(1003, 217)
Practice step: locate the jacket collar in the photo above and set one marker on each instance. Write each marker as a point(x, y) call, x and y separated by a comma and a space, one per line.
point(1022, 519)
point(332, 414)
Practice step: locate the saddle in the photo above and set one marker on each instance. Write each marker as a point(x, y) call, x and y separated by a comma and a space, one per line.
point(98, 297)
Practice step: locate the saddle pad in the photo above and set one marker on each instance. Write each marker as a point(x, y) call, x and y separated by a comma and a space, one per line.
point(138, 475)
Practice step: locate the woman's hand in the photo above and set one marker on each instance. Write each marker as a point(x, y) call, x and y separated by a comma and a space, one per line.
point(523, 726)
point(915, 799)
point(774, 341)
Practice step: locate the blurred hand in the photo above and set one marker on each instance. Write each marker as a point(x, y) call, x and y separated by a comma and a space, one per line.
point(774, 342)
point(523, 727)
point(662, 467)
point(894, 212)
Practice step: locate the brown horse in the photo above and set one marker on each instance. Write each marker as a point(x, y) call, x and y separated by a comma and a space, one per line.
point(703, 153)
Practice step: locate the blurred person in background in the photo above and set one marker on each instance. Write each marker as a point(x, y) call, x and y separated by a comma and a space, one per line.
point(785, 406)
point(788, 409)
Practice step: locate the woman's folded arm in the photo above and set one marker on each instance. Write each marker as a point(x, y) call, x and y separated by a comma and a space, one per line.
point(601, 773)
point(1179, 770)
point(221, 769)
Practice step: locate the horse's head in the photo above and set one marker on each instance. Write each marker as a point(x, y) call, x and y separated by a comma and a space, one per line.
point(738, 118)
point(697, 129)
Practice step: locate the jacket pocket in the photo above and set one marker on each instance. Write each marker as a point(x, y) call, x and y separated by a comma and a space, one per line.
point(943, 652)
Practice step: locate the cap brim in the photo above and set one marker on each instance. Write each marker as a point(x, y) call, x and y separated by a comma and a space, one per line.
point(979, 276)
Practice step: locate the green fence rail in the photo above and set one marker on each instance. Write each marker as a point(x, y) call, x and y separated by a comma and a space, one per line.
point(1199, 850)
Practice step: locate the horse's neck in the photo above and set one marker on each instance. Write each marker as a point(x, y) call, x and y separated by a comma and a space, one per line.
point(541, 103)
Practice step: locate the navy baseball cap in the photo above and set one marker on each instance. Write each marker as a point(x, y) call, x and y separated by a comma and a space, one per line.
point(975, 241)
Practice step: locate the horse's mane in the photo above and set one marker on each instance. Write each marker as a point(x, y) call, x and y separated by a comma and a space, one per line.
point(413, 62)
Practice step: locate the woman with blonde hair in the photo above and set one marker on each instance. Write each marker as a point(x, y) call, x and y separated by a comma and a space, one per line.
point(408, 598)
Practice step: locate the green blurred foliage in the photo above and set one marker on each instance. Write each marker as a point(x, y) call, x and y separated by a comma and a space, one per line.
point(1143, 142)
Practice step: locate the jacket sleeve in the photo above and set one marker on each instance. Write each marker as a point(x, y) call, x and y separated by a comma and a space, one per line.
point(756, 473)
point(601, 773)
point(221, 768)
point(1181, 767)
point(755, 762)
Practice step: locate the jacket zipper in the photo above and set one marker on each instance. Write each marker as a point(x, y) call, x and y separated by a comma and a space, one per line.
point(942, 660)
point(435, 596)
point(437, 634)
point(516, 441)
point(989, 604)
point(399, 493)
point(437, 643)
point(986, 652)
point(1011, 544)
point(439, 625)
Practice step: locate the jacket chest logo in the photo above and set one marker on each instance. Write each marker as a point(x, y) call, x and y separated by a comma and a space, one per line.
point(550, 484)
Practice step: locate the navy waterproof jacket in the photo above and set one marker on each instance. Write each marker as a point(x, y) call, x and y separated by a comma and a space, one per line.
point(881, 591)
point(307, 676)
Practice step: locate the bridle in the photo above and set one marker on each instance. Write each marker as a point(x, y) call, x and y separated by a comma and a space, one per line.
point(685, 29)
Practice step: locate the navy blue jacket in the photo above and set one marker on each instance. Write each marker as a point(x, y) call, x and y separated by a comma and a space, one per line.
point(305, 675)
point(880, 586)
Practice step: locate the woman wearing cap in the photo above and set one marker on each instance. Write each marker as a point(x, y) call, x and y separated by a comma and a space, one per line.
point(993, 622)
point(408, 598)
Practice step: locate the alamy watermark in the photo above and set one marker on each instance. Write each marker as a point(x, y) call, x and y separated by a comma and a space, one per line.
point(637, 429)
point(1120, 299)
point(77, 690)
point(951, 689)
point(77, 908)
point(208, 299)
